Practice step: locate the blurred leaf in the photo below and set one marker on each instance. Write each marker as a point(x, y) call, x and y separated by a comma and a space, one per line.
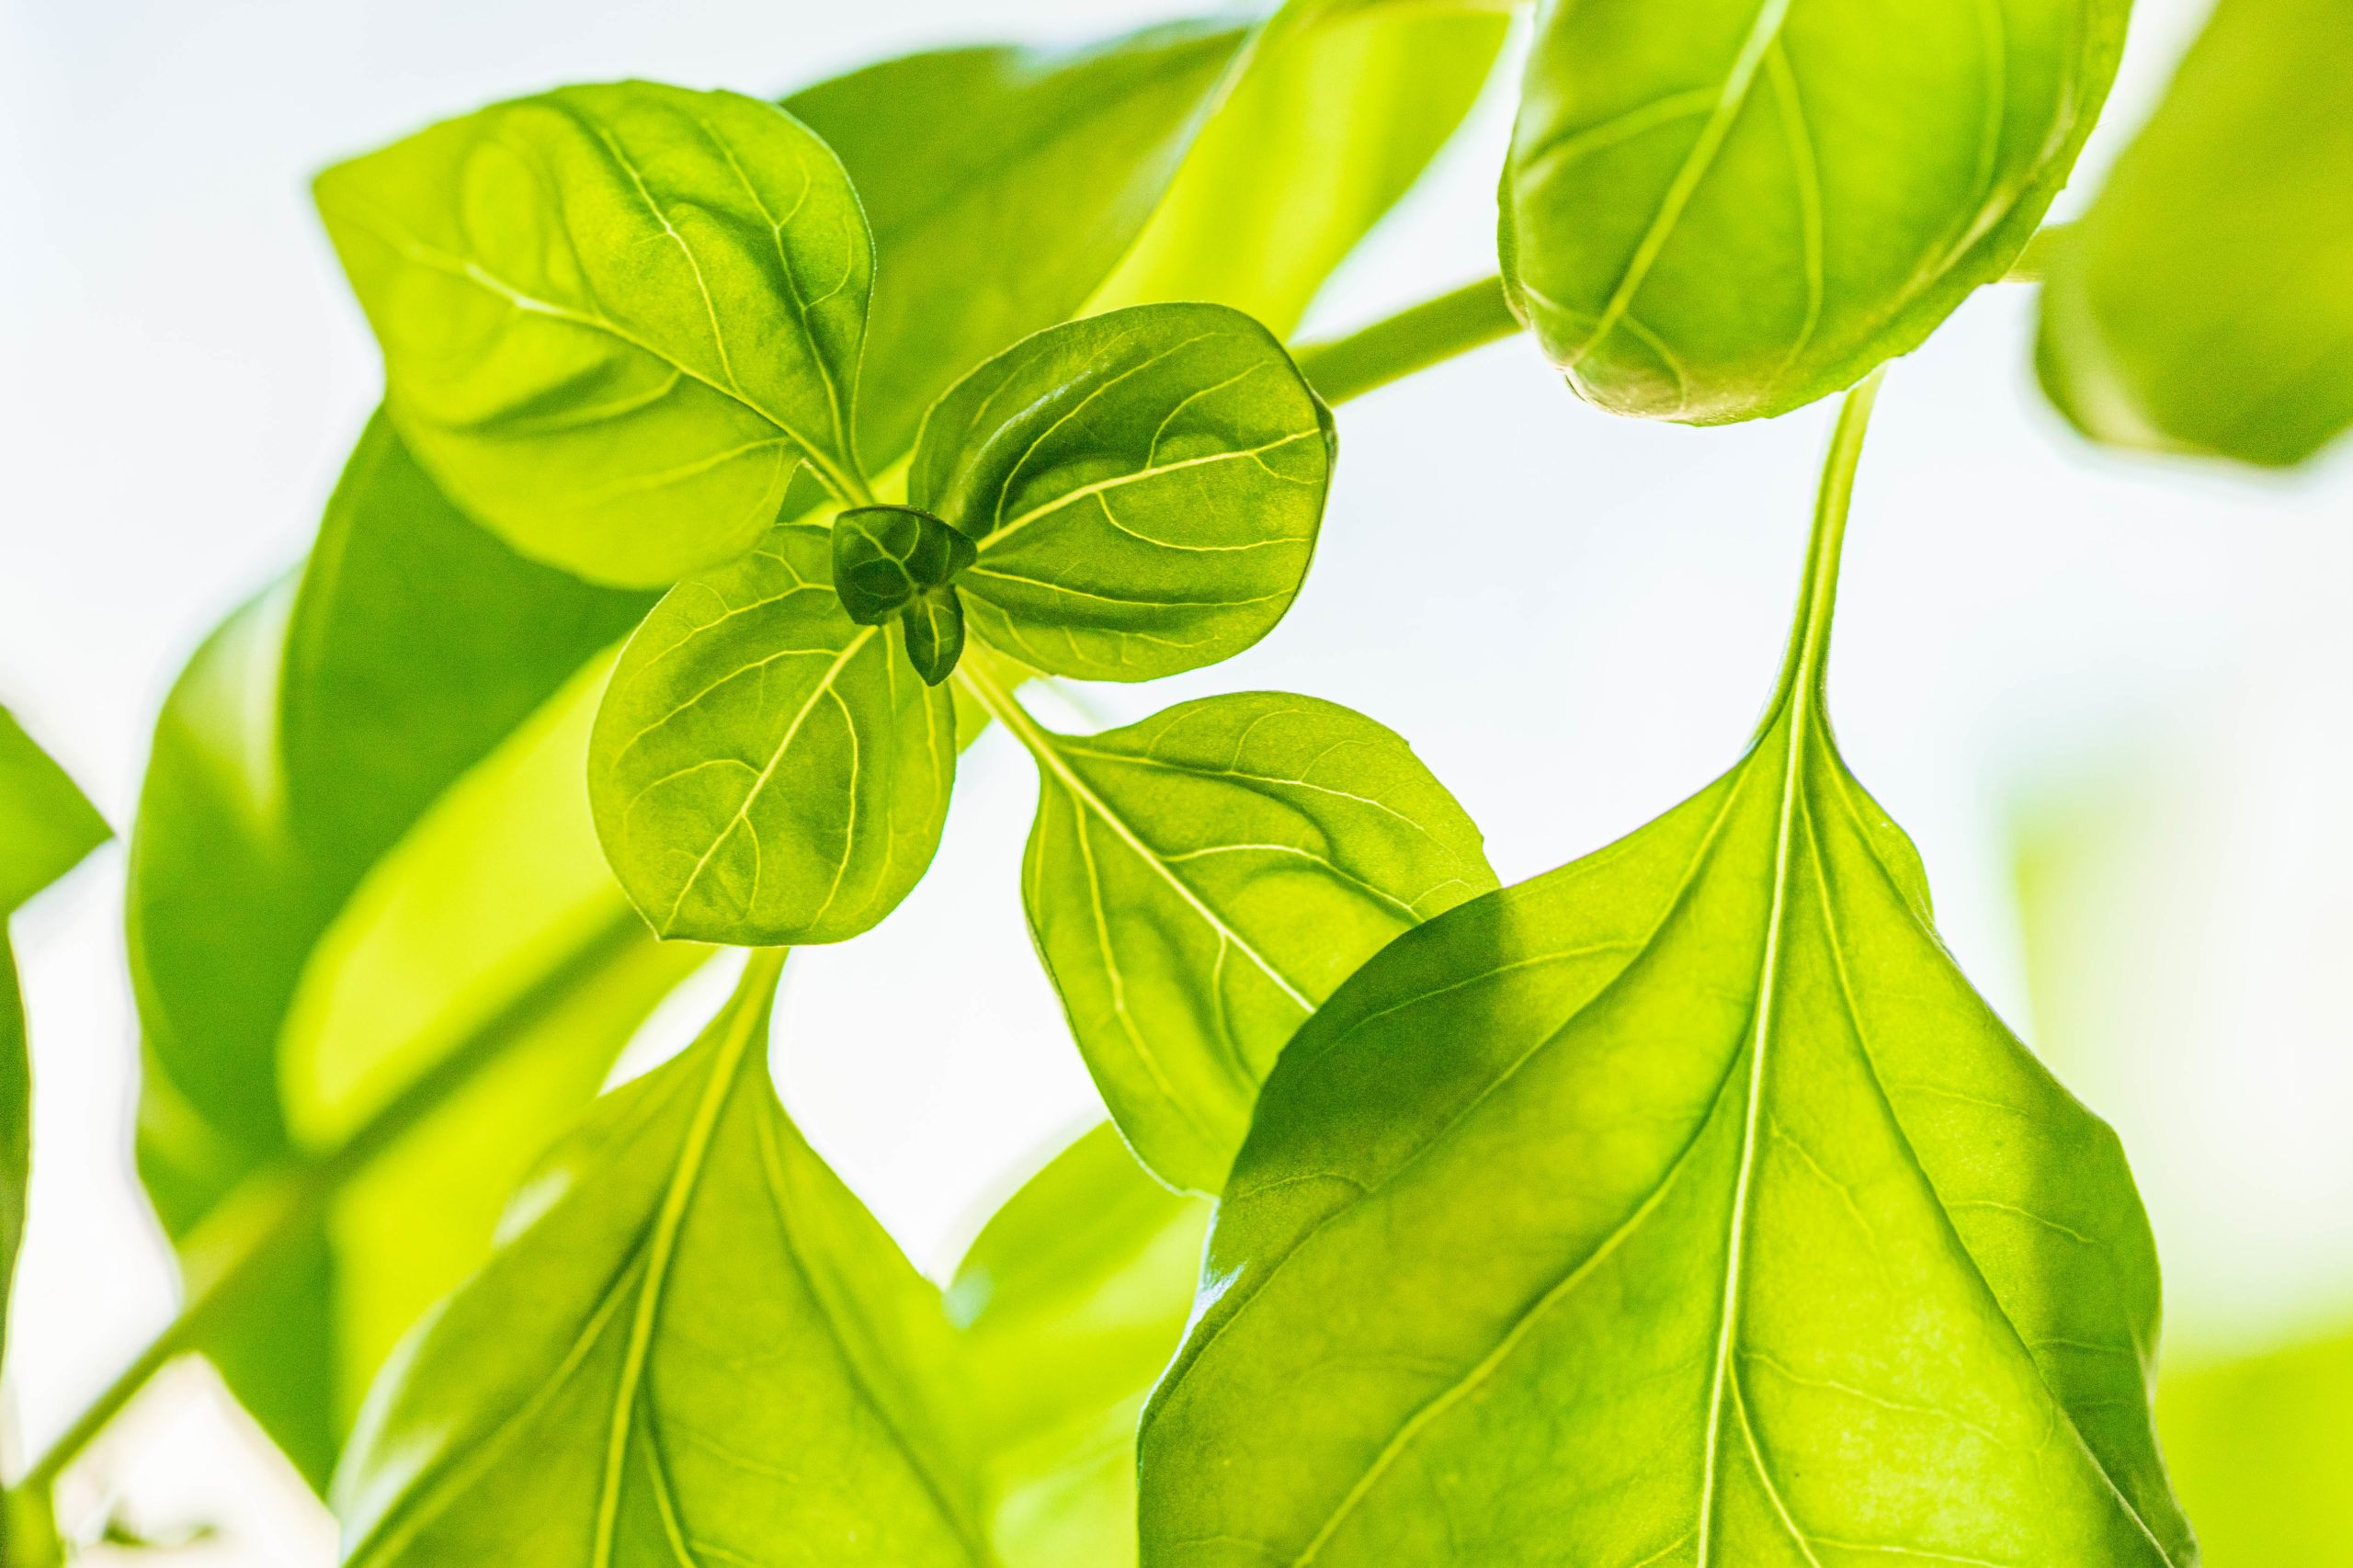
point(615, 318)
point(2260, 1449)
point(1199, 882)
point(695, 1345)
point(1341, 107)
point(1145, 488)
point(1003, 183)
point(1072, 1298)
point(1723, 210)
point(1681, 1204)
point(261, 811)
point(2205, 302)
point(765, 770)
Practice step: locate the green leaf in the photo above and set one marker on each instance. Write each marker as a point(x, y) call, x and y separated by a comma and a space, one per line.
point(2260, 1449)
point(304, 740)
point(1342, 105)
point(1727, 209)
point(1145, 488)
point(1682, 1205)
point(696, 1346)
point(884, 557)
point(615, 318)
point(1199, 882)
point(46, 825)
point(765, 769)
point(1002, 184)
point(1072, 1299)
point(2205, 302)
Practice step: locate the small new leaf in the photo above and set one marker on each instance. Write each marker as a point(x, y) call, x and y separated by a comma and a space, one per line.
point(765, 770)
point(1723, 210)
point(615, 319)
point(1681, 1206)
point(934, 628)
point(884, 557)
point(1144, 487)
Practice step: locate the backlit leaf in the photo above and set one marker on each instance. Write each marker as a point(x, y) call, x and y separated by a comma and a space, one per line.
point(1723, 210)
point(1199, 882)
point(765, 770)
point(615, 318)
point(1145, 486)
point(1683, 1205)
point(2205, 302)
point(2260, 1449)
point(694, 1346)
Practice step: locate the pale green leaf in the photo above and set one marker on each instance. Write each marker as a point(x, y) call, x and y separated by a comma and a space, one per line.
point(2205, 302)
point(46, 826)
point(1144, 487)
point(2260, 1447)
point(615, 318)
point(765, 770)
point(1071, 1300)
point(304, 738)
point(694, 1346)
point(1340, 107)
point(1199, 882)
point(1683, 1205)
point(1003, 183)
point(1725, 208)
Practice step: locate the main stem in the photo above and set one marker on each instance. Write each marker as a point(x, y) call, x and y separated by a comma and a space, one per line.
point(275, 1208)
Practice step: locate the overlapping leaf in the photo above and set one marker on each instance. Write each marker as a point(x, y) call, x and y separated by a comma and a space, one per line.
point(2205, 302)
point(615, 318)
point(1681, 1206)
point(765, 769)
point(1726, 210)
point(1145, 486)
point(275, 784)
point(1199, 882)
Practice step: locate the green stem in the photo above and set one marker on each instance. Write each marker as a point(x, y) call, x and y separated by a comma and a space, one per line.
point(1414, 339)
point(1804, 666)
point(233, 1253)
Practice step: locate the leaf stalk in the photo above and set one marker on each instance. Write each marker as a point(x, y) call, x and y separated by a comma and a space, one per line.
point(1414, 339)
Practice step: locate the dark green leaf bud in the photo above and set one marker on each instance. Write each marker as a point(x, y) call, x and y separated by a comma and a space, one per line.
point(884, 557)
point(935, 627)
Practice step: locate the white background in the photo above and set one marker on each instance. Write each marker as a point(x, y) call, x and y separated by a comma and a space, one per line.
point(2121, 686)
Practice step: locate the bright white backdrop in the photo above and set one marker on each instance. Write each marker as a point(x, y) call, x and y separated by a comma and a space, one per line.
point(2108, 698)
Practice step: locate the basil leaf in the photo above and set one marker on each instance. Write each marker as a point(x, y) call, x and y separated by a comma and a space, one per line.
point(1199, 882)
point(1071, 1300)
point(765, 770)
point(2259, 1449)
point(1145, 488)
point(1683, 1204)
point(1002, 184)
point(695, 1345)
point(271, 788)
point(615, 318)
point(2205, 302)
point(1342, 105)
point(1723, 212)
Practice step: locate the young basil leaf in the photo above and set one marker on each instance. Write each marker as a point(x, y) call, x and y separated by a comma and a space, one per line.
point(1071, 1300)
point(765, 770)
point(2203, 305)
point(615, 318)
point(1145, 488)
point(1683, 1205)
point(1199, 882)
point(884, 557)
point(934, 625)
point(1723, 210)
point(1341, 105)
point(1002, 184)
point(695, 1345)
point(304, 738)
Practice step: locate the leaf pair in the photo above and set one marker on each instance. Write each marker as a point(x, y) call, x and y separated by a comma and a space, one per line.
point(1681, 1206)
point(1140, 491)
point(696, 1345)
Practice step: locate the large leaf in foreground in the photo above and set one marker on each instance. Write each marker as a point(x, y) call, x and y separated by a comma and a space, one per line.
point(696, 1347)
point(2205, 302)
point(615, 318)
point(1723, 210)
point(1199, 882)
point(765, 770)
point(272, 789)
point(1145, 486)
point(1681, 1206)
